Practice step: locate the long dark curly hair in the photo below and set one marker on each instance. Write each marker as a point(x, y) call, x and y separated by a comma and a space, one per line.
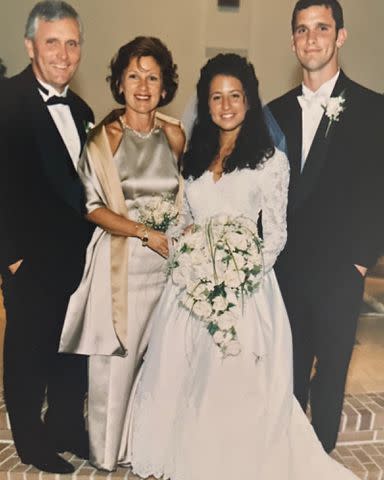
point(253, 144)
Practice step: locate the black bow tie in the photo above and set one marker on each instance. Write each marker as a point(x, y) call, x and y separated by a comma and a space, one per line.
point(55, 100)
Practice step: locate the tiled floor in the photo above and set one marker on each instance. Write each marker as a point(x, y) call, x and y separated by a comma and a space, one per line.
point(362, 419)
point(365, 460)
point(12, 469)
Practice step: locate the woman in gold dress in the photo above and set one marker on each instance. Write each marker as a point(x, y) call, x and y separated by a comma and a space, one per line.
point(131, 156)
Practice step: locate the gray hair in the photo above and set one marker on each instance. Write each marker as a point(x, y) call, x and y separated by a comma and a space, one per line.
point(50, 10)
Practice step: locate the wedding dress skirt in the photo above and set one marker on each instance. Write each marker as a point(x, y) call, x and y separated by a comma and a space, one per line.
point(195, 415)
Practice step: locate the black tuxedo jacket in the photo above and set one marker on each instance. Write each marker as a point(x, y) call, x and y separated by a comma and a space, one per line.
point(41, 196)
point(335, 205)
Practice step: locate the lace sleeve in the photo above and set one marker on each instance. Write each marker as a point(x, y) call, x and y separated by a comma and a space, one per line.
point(274, 207)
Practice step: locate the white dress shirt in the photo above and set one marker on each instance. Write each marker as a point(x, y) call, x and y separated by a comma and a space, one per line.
point(61, 115)
point(312, 104)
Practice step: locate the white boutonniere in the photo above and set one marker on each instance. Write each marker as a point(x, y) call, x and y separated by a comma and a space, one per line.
point(333, 108)
point(88, 126)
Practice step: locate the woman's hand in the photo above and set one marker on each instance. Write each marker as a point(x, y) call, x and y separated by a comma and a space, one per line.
point(158, 242)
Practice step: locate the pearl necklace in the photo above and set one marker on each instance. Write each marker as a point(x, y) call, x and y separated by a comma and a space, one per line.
point(138, 134)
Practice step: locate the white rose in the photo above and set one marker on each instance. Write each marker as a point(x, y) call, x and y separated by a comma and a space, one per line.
point(237, 240)
point(255, 256)
point(239, 260)
point(197, 257)
point(334, 107)
point(158, 217)
point(190, 279)
point(220, 253)
point(162, 209)
point(174, 209)
point(209, 285)
point(220, 304)
point(190, 284)
point(192, 276)
point(226, 321)
point(183, 275)
point(226, 340)
point(172, 213)
point(199, 292)
point(194, 240)
point(221, 268)
point(202, 309)
point(220, 219)
point(234, 279)
point(249, 224)
point(233, 348)
point(204, 270)
point(231, 297)
point(218, 337)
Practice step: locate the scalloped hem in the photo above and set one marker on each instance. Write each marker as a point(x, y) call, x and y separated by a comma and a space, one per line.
point(144, 473)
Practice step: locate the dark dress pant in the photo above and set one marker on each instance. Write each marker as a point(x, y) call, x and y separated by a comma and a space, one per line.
point(35, 309)
point(323, 309)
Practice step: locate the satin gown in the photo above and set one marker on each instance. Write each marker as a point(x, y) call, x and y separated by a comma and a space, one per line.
point(194, 415)
point(146, 167)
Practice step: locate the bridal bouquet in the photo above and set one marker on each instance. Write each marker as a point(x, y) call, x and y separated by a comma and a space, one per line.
point(215, 266)
point(159, 212)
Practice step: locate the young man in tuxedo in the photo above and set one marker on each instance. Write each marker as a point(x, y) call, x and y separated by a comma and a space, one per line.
point(43, 238)
point(333, 129)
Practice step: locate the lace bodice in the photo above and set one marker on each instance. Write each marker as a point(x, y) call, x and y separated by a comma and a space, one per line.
point(247, 192)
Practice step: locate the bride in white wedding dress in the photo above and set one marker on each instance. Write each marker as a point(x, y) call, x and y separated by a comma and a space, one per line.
point(195, 415)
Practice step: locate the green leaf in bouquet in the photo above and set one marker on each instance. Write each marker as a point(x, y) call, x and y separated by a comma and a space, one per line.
point(212, 328)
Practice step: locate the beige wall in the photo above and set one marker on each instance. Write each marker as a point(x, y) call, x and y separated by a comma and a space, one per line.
point(189, 27)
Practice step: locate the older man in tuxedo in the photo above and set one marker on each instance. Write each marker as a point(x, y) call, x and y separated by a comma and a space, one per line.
point(333, 129)
point(43, 237)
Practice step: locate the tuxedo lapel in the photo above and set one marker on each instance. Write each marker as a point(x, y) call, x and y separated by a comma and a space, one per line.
point(77, 117)
point(317, 154)
point(53, 154)
point(293, 133)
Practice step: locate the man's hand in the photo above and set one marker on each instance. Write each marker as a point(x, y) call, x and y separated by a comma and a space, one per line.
point(15, 266)
point(361, 269)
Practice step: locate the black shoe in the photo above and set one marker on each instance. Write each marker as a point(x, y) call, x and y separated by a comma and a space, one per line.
point(51, 463)
point(77, 443)
point(80, 449)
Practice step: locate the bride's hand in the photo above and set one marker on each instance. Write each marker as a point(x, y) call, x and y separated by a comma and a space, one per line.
point(158, 242)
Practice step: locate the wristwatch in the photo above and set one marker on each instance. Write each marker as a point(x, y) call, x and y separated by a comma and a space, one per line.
point(144, 235)
point(145, 238)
